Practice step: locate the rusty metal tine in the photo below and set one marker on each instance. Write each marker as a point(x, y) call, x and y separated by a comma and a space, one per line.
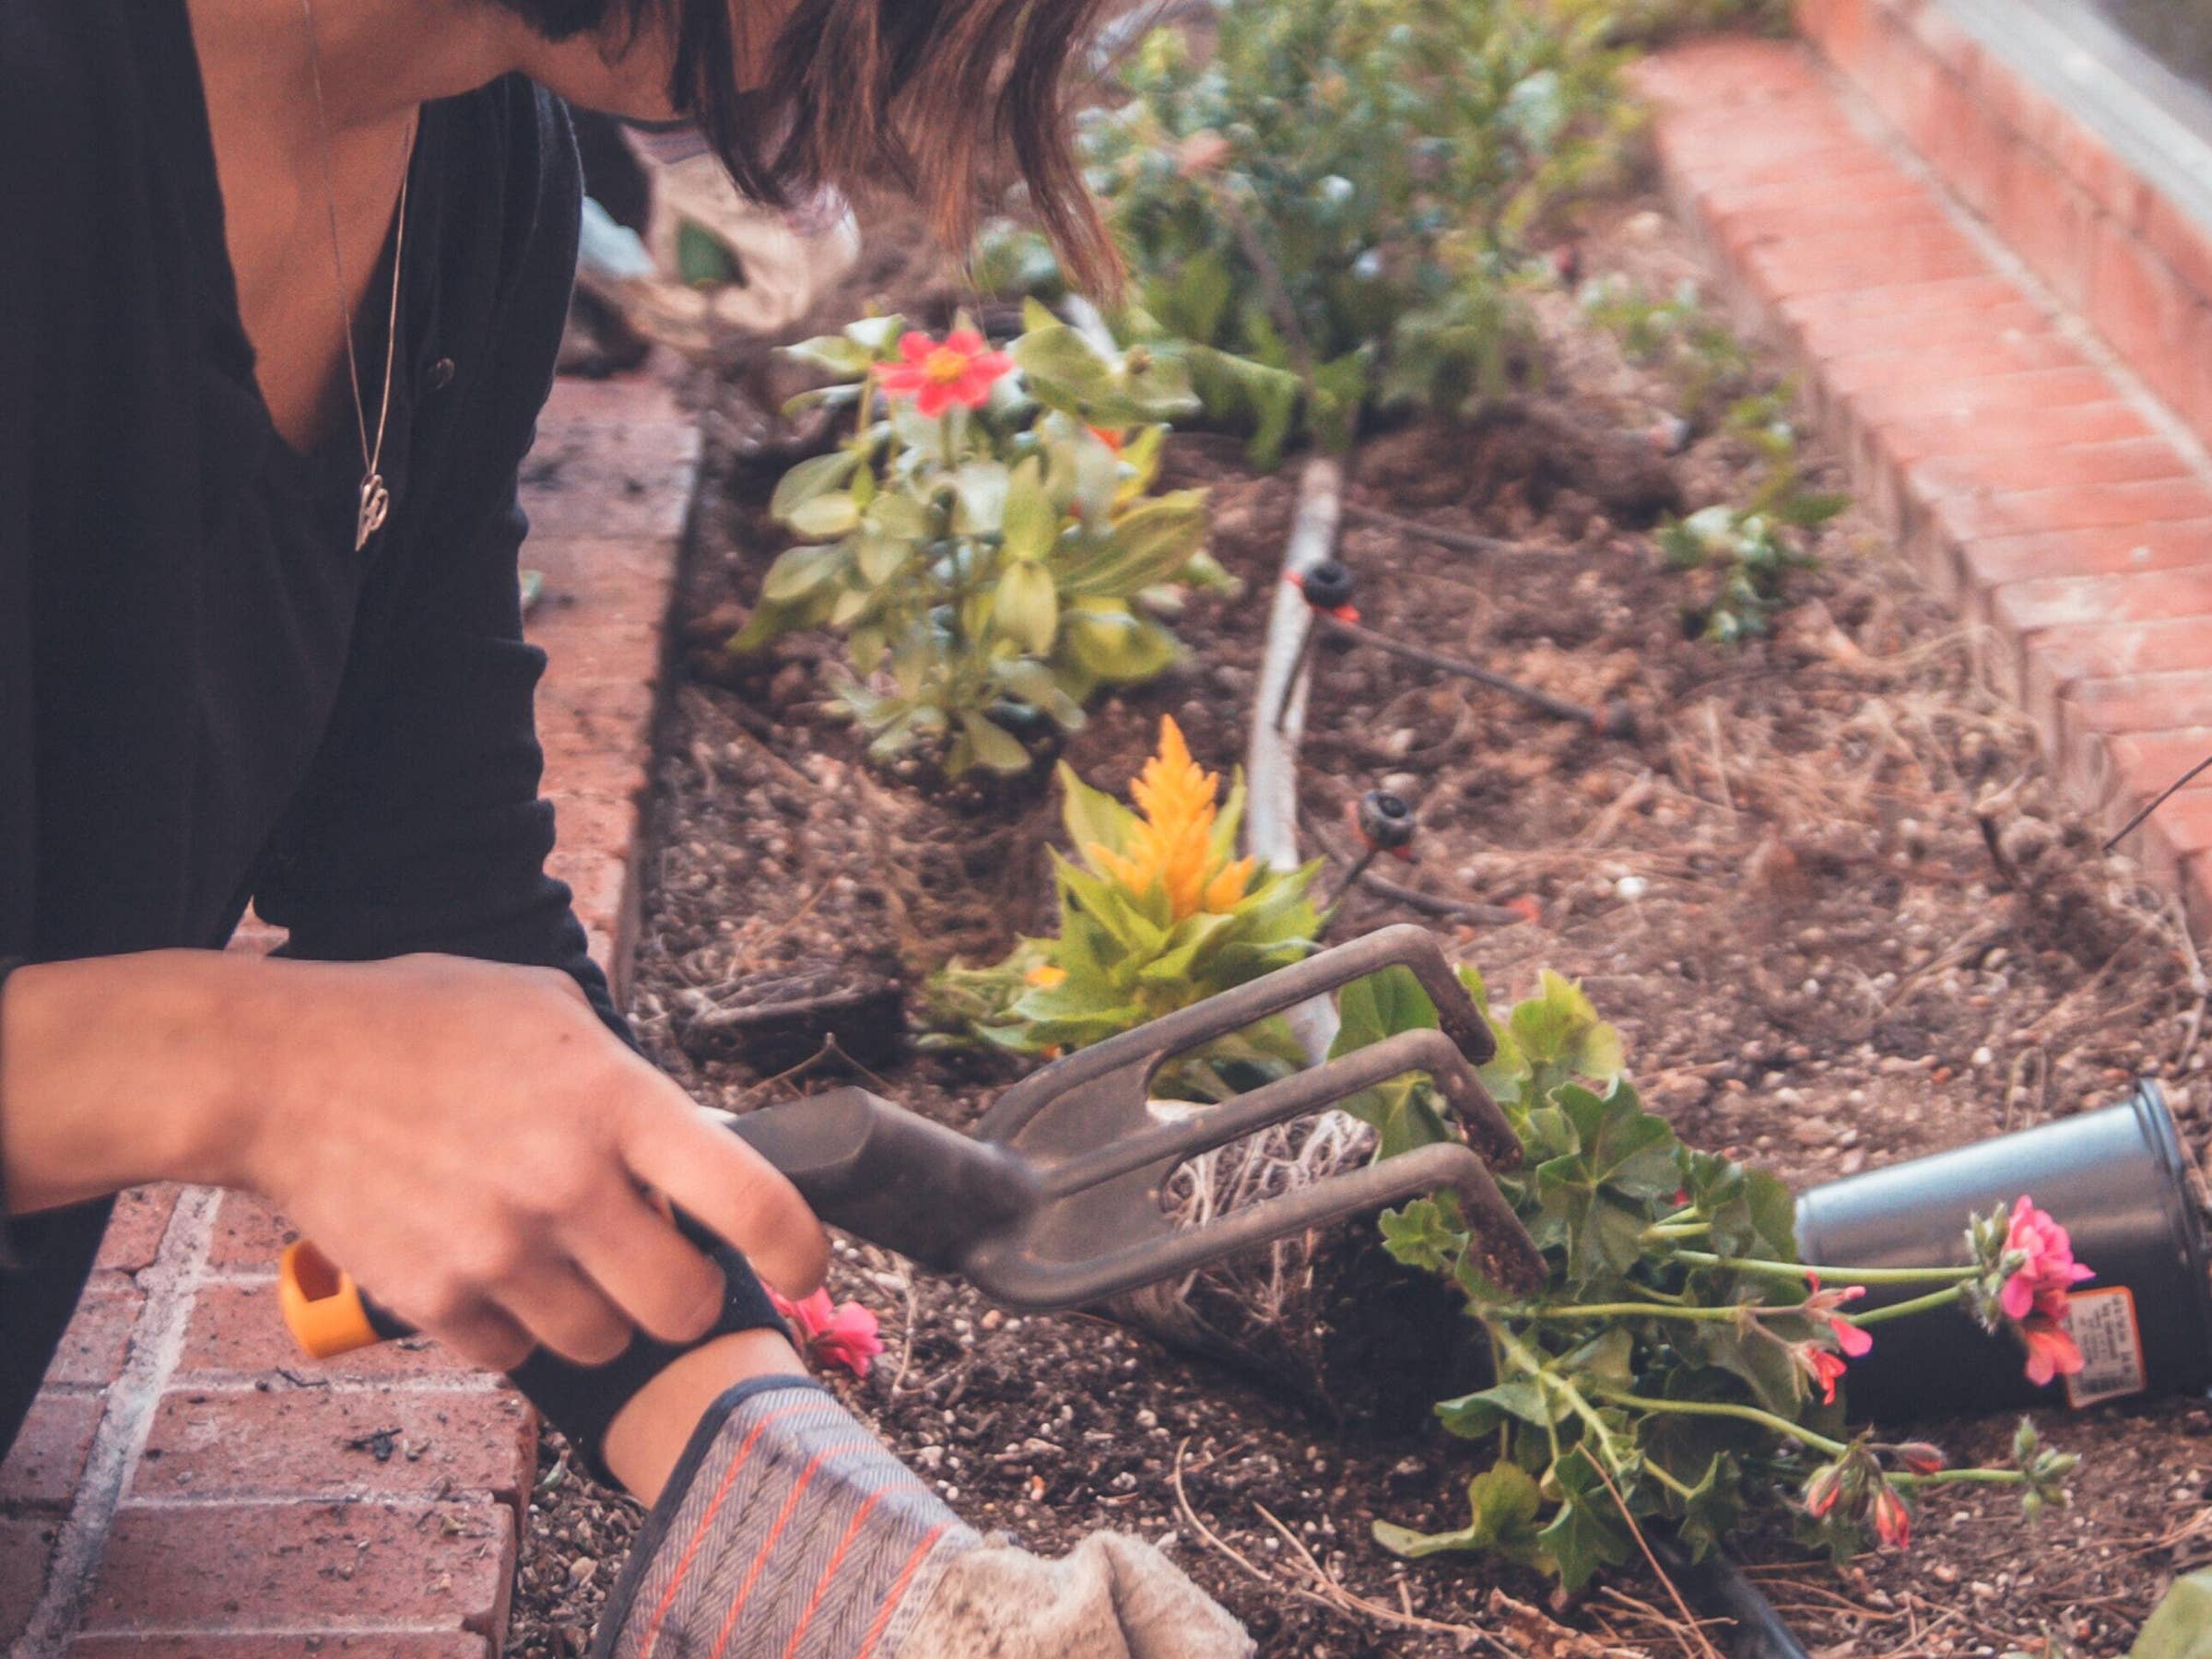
point(1042, 1287)
point(1292, 1097)
point(1406, 945)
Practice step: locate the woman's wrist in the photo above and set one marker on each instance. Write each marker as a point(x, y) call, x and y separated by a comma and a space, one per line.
point(121, 1070)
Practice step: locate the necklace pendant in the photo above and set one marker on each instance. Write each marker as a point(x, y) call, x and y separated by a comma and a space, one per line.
point(376, 502)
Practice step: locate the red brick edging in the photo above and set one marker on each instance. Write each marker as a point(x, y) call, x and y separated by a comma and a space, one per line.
point(2033, 475)
point(187, 1483)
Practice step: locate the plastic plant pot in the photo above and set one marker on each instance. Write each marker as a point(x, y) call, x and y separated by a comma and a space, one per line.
point(2115, 1179)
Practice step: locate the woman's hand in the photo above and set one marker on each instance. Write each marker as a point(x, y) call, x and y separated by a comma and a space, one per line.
point(466, 1138)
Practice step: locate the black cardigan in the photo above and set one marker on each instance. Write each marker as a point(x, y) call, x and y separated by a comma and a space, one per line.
point(207, 696)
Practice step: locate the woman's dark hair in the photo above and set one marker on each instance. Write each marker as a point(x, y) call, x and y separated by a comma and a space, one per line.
point(923, 92)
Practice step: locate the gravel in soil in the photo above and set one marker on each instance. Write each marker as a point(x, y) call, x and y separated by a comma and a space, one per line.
point(1826, 890)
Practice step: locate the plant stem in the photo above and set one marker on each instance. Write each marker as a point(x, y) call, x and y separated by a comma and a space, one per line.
point(1630, 1310)
point(1961, 1477)
point(1677, 1230)
point(1919, 1304)
point(1848, 1276)
point(1749, 1414)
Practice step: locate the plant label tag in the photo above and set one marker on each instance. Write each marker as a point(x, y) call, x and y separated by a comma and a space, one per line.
point(2102, 1323)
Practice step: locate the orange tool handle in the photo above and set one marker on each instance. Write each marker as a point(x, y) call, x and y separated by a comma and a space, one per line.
point(324, 1310)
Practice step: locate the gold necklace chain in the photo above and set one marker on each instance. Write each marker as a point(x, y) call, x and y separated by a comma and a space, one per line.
point(375, 498)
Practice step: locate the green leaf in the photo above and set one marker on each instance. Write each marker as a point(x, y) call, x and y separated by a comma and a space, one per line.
point(993, 746)
point(1472, 1416)
point(1502, 1503)
point(1584, 1535)
point(846, 359)
point(1092, 816)
point(876, 335)
point(1381, 1005)
point(824, 517)
point(1031, 522)
point(1027, 606)
point(815, 477)
point(1115, 646)
point(980, 497)
point(1419, 1237)
point(799, 571)
point(1148, 544)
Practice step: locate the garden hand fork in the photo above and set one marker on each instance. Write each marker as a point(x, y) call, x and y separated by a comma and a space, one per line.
point(1057, 1201)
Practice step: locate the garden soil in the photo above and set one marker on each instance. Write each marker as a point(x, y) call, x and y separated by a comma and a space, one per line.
point(1827, 891)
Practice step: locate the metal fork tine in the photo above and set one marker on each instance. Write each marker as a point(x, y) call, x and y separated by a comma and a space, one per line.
point(1295, 1096)
point(1506, 1249)
point(1139, 1051)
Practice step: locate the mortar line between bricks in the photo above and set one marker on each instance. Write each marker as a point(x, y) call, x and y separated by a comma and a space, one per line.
point(156, 1343)
point(2077, 331)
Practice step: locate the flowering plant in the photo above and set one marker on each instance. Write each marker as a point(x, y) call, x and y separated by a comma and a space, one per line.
point(839, 1335)
point(1679, 1363)
point(988, 540)
point(1155, 911)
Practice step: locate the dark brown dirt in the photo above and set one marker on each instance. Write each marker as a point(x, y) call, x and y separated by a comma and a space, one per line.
point(1827, 893)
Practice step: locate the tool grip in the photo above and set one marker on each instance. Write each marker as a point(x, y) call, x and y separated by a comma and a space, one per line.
point(886, 1174)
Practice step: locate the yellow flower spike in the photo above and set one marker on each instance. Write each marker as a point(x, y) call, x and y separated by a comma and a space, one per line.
point(1171, 844)
point(1045, 976)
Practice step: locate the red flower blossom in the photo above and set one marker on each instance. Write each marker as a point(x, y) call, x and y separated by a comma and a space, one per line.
point(1822, 1367)
point(843, 1335)
point(1108, 437)
point(1893, 1521)
point(1824, 1304)
point(2050, 1351)
point(959, 372)
point(2047, 1269)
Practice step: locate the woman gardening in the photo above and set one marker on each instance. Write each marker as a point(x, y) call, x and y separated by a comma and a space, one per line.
point(281, 294)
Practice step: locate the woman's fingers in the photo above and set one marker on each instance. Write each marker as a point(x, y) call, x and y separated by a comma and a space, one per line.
point(485, 1337)
point(711, 1175)
point(567, 1314)
point(648, 1269)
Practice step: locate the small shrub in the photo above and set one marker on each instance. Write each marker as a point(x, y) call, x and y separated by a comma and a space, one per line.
point(1679, 1364)
point(988, 537)
point(1329, 209)
point(1155, 911)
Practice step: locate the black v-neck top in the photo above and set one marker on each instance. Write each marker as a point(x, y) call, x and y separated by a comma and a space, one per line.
point(206, 695)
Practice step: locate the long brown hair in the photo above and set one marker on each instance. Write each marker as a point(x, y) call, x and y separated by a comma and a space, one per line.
point(924, 94)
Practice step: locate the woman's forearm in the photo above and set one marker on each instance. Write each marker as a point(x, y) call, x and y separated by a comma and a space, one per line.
point(124, 1069)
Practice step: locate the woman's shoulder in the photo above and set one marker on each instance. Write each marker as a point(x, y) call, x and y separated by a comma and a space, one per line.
point(510, 170)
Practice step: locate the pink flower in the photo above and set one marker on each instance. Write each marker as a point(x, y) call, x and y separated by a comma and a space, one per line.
point(2050, 1351)
point(937, 376)
point(1893, 1521)
point(2047, 1263)
point(843, 1336)
point(1822, 1367)
point(1824, 1304)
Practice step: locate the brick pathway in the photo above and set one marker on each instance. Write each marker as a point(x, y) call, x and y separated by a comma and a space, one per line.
point(2001, 435)
point(185, 1484)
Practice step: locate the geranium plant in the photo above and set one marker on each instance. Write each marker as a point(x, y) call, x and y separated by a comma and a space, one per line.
point(987, 538)
point(1329, 205)
point(1157, 911)
point(1680, 1362)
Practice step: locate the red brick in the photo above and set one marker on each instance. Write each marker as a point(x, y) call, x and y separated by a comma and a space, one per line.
point(48, 1458)
point(1916, 331)
point(1723, 69)
point(235, 1332)
point(2051, 224)
point(596, 824)
point(2144, 311)
point(2129, 460)
point(583, 760)
point(1872, 177)
point(1848, 376)
point(600, 886)
point(2113, 551)
point(2079, 601)
point(2182, 240)
point(249, 1234)
point(2152, 702)
point(26, 1545)
point(97, 1340)
point(1972, 294)
point(590, 569)
point(645, 395)
point(383, 1645)
point(412, 1566)
point(2076, 507)
point(1997, 394)
point(135, 1229)
point(2065, 656)
point(1809, 217)
point(2138, 766)
point(1998, 431)
point(321, 1443)
point(1851, 263)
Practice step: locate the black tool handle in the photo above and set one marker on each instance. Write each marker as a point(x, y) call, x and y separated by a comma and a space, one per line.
point(882, 1173)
